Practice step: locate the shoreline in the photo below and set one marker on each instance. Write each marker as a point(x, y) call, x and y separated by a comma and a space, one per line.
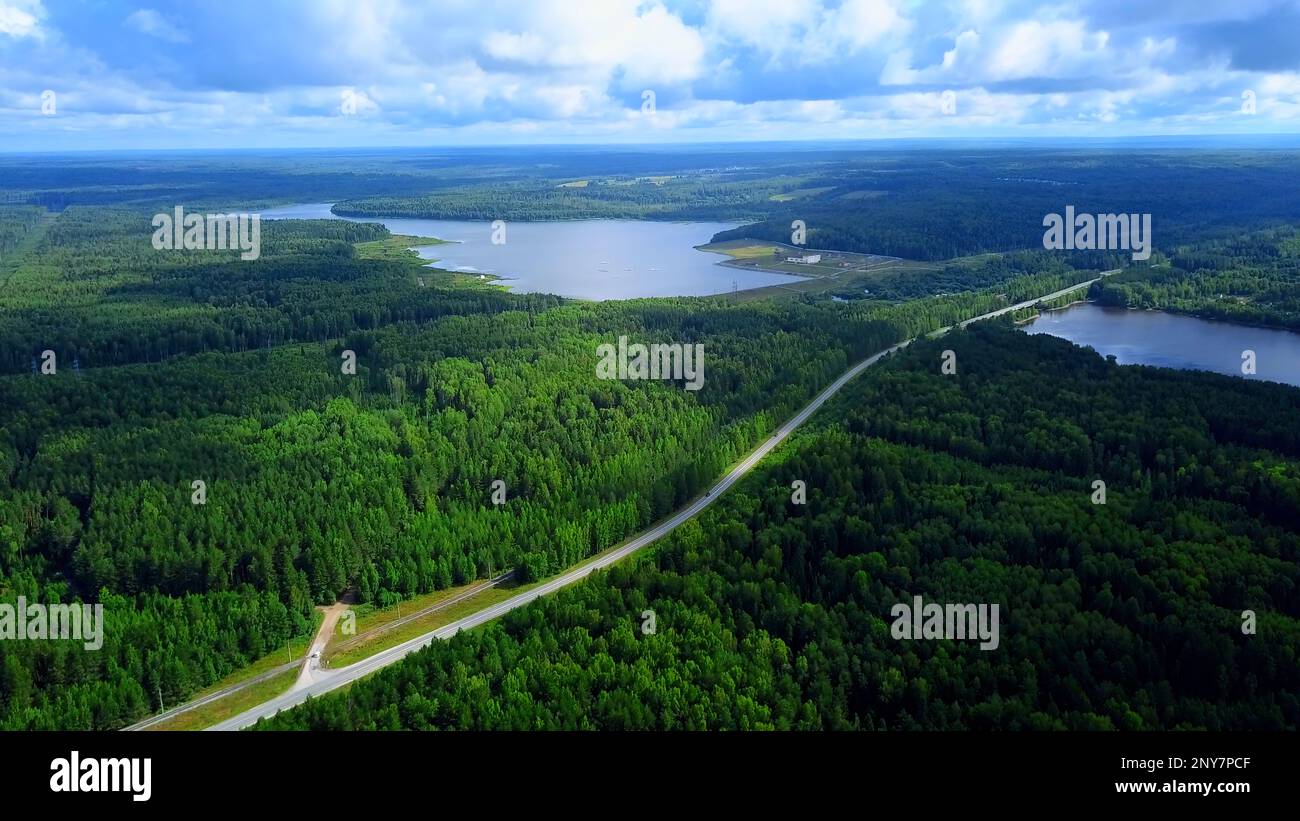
point(1042, 311)
point(1173, 312)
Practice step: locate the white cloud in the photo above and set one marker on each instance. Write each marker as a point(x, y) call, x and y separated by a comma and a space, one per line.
point(1030, 50)
point(249, 71)
point(857, 24)
point(1056, 49)
point(646, 44)
point(804, 32)
point(19, 19)
point(150, 22)
point(772, 27)
point(958, 63)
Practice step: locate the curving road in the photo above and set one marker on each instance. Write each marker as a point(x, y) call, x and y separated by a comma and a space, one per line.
point(323, 680)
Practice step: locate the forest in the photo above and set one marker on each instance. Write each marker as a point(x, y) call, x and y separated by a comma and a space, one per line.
point(920, 204)
point(1252, 277)
point(933, 202)
point(192, 367)
point(936, 205)
point(95, 290)
point(979, 273)
point(974, 487)
point(177, 368)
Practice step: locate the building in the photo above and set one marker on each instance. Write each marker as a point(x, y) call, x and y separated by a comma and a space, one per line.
point(806, 259)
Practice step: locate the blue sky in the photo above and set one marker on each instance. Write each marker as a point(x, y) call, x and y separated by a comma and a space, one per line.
point(284, 73)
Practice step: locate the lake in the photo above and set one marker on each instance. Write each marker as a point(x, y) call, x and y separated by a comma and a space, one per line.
point(584, 259)
point(1175, 341)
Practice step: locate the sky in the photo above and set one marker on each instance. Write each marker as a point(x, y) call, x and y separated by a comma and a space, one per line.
point(102, 74)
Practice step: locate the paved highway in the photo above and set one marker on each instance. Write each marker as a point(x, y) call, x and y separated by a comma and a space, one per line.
point(1030, 302)
point(325, 680)
point(311, 662)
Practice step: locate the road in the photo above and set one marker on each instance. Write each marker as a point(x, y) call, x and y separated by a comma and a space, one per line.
point(1030, 302)
point(304, 665)
point(441, 604)
point(325, 680)
point(317, 649)
point(313, 659)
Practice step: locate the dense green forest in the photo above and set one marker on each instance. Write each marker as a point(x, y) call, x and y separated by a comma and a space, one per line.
point(925, 205)
point(937, 205)
point(18, 228)
point(182, 367)
point(185, 366)
point(975, 487)
point(923, 202)
point(707, 196)
point(94, 289)
point(1249, 277)
point(978, 273)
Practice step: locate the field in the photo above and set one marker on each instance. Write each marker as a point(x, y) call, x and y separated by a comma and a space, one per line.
point(837, 273)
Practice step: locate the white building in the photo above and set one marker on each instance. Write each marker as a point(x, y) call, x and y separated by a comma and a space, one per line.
point(806, 259)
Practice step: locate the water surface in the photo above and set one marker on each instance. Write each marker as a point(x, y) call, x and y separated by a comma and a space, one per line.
point(1175, 341)
point(585, 259)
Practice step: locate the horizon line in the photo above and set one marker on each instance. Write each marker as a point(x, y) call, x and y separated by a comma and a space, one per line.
point(1229, 137)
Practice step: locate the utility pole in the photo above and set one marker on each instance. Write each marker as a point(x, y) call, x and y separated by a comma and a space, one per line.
point(162, 708)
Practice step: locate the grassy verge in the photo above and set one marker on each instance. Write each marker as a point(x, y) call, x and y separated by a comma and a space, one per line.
point(368, 646)
point(232, 705)
point(370, 617)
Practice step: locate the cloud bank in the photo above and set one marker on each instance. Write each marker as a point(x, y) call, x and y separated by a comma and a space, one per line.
point(393, 72)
